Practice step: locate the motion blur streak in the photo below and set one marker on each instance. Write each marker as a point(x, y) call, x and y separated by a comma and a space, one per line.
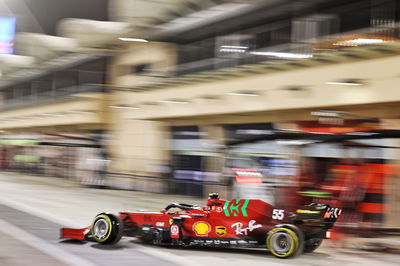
point(119, 105)
point(37, 243)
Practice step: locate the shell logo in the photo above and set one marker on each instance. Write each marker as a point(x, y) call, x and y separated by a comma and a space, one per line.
point(201, 228)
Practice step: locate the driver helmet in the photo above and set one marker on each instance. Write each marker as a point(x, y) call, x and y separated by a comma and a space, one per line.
point(213, 195)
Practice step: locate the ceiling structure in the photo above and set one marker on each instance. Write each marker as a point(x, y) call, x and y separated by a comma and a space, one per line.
point(147, 13)
point(82, 38)
point(90, 27)
point(42, 16)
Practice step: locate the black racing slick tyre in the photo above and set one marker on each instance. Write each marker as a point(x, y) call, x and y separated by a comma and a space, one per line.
point(312, 244)
point(107, 229)
point(284, 242)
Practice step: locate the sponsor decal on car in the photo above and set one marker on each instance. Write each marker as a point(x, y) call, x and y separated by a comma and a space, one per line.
point(201, 228)
point(220, 230)
point(161, 224)
point(236, 207)
point(241, 230)
point(221, 242)
point(174, 231)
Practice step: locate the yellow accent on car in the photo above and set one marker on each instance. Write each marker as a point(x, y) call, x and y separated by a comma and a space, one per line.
point(293, 247)
point(109, 222)
point(201, 228)
point(307, 211)
point(220, 230)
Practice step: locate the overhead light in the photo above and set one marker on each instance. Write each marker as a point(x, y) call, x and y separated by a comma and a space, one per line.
point(284, 55)
point(231, 50)
point(250, 94)
point(174, 101)
point(295, 142)
point(366, 41)
point(124, 107)
point(345, 83)
point(53, 115)
point(359, 41)
point(326, 113)
point(132, 39)
point(234, 47)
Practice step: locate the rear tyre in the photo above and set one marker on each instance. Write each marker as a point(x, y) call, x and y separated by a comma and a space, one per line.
point(107, 229)
point(283, 242)
point(312, 244)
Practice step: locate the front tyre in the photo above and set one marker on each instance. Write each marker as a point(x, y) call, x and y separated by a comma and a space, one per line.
point(283, 242)
point(106, 229)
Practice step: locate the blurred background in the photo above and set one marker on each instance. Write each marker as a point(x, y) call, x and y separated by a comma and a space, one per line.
point(185, 97)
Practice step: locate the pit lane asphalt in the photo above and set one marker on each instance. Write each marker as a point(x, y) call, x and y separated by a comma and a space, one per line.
point(43, 235)
point(36, 207)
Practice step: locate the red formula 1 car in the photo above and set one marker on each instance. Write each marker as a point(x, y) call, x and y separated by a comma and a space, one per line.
point(222, 223)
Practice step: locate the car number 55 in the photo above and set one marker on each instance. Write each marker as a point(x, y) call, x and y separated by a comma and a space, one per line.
point(278, 214)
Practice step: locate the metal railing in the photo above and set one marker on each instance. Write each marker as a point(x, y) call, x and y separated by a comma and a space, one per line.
point(50, 96)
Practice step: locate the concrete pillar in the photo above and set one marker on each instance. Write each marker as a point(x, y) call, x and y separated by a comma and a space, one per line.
point(213, 165)
point(139, 147)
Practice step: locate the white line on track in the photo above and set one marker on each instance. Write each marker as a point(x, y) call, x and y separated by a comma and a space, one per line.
point(41, 245)
point(153, 252)
point(37, 212)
